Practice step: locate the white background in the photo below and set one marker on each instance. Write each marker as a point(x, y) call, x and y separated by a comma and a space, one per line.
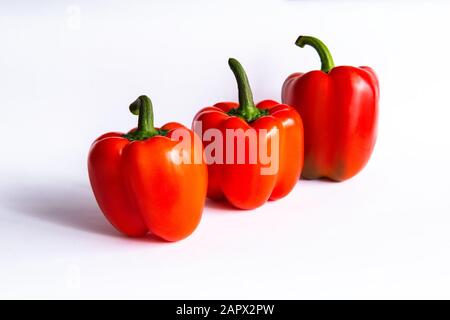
point(68, 71)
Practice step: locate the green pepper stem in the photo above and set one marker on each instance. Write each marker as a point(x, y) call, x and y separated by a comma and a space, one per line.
point(324, 54)
point(247, 108)
point(143, 107)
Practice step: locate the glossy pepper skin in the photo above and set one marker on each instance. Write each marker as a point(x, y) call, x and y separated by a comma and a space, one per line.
point(140, 182)
point(339, 109)
point(243, 184)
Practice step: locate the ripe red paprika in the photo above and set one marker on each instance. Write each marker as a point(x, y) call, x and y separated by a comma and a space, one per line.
point(140, 181)
point(339, 109)
point(244, 183)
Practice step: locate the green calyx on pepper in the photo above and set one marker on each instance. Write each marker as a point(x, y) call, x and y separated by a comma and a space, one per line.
point(247, 109)
point(143, 107)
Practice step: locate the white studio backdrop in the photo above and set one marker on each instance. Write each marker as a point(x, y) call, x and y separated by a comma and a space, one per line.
point(68, 71)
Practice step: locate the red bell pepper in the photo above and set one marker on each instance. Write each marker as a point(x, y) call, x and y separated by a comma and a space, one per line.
point(244, 184)
point(339, 108)
point(140, 182)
